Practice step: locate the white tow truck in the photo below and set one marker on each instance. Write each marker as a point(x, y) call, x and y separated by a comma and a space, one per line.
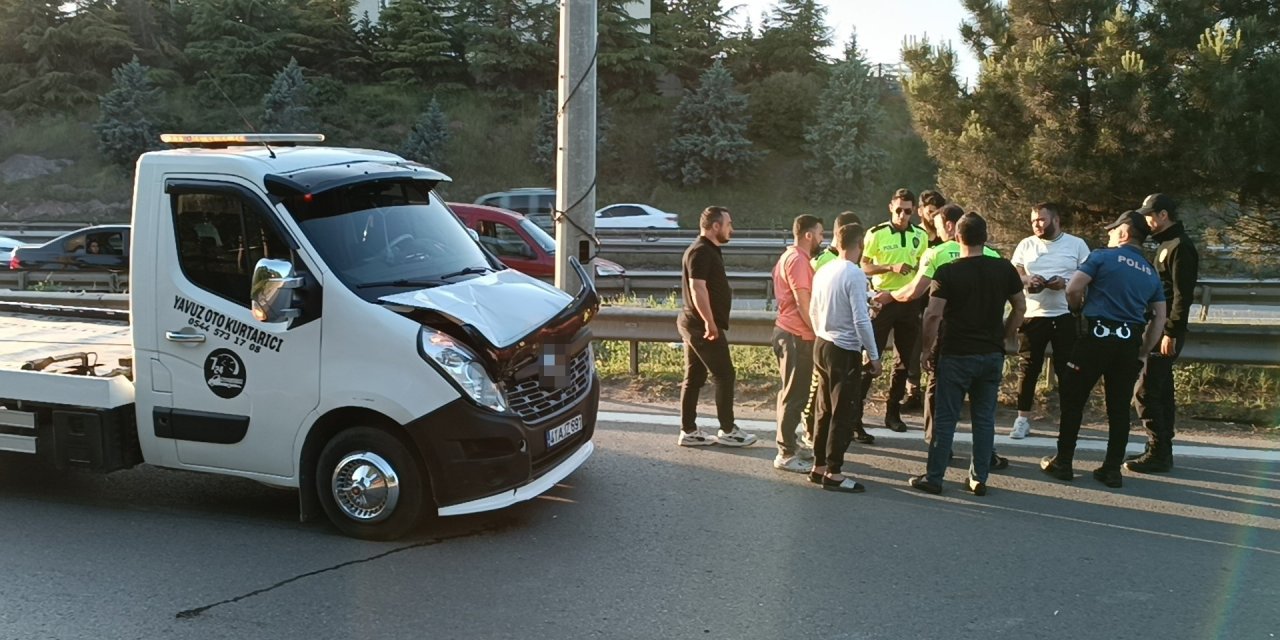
point(314, 318)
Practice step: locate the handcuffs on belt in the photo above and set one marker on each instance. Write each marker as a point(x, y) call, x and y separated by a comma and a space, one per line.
point(1102, 330)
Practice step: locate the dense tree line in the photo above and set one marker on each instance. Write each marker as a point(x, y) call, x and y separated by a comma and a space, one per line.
point(1095, 103)
point(292, 57)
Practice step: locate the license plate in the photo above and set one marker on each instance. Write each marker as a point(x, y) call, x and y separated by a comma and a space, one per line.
point(558, 434)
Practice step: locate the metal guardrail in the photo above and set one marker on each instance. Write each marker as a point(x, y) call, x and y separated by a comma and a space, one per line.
point(1222, 343)
point(95, 281)
point(759, 284)
point(39, 232)
point(113, 301)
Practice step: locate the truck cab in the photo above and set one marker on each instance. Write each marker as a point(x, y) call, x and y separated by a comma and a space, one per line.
point(317, 318)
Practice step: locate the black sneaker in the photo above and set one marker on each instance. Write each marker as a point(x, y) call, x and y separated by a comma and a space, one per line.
point(1051, 466)
point(895, 423)
point(922, 483)
point(860, 435)
point(913, 403)
point(998, 462)
point(1108, 476)
point(1150, 463)
point(1134, 456)
point(975, 487)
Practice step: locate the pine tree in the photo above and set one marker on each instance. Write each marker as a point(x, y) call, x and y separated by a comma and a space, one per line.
point(1095, 105)
point(709, 142)
point(545, 133)
point(37, 69)
point(627, 60)
point(285, 106)
point(326, 40)
point(689, 33)
point(512, 45)
point(415, 43)
point(795, 33)
point(428, 137)
point(238, 43)
point(846, 156)
point(126, 127)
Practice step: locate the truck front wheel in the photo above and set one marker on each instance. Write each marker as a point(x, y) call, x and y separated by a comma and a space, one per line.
point(370, 484)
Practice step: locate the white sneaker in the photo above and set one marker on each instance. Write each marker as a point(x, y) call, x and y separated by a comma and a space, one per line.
point(1021, 428)
point(804, 453)
point(696, 438)
point(802, 438)
point(792, 463)
point(735, 438)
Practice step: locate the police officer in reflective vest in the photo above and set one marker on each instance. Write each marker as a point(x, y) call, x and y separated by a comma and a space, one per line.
point(1113, 291)
point(891, 251)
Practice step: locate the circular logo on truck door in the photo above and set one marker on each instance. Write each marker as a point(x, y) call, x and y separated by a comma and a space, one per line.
point(224, 373)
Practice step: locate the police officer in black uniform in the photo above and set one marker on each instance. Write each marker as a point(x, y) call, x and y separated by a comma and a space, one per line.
point(1178, 264)
point(1113, 291)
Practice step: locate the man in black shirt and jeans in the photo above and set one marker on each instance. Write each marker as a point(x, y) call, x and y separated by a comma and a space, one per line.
point(703, 324)
point(1178, 264)
point(966, 313)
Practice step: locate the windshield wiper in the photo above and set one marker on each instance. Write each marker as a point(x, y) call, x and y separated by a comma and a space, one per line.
point(467, 272)
point(401, 283)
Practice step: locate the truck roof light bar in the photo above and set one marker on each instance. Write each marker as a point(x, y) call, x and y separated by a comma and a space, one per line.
point(218, 140)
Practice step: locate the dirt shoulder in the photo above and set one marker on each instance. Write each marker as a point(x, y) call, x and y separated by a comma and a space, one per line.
point(756, 402)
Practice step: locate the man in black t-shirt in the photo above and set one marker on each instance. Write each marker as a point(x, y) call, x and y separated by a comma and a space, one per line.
point(703, 324)
point(965, 313)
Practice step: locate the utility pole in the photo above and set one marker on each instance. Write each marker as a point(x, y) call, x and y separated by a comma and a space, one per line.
point(576, 141)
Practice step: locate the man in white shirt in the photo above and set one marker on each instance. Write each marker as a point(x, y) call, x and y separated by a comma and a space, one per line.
point(1045, 260)
point(842, 326)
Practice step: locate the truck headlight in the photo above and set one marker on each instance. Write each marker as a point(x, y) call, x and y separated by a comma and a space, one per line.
point(462, 365)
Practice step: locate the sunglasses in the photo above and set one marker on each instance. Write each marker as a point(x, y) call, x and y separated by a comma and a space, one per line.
point(900, 210)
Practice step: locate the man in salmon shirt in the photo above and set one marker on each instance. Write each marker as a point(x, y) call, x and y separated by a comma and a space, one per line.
point(793, 339)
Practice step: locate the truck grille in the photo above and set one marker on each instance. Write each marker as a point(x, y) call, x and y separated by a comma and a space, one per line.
point(536, 404)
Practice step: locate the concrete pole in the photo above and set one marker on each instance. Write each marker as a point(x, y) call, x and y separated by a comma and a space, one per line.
point(576, 141)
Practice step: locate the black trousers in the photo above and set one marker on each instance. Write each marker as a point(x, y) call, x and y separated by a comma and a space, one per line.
point(1116, 362)
point(839, 373)
point(903, 319)
point(1153, 398)
point(1033, 336)
point(702, 357)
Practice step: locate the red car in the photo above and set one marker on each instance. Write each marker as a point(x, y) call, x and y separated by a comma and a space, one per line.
point(518, 242)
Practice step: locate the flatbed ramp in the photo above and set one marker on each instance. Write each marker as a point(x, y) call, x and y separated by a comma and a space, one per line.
point(28, 337)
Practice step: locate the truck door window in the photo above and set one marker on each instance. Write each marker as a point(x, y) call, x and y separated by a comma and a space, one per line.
point(220, 238)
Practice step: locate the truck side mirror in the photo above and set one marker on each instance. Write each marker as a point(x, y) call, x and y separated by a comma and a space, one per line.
point(271, 292)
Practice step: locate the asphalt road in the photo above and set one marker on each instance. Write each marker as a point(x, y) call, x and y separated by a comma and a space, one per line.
point(651, 541)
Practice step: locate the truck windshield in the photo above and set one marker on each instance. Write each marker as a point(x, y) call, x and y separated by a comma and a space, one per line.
point(388, 234)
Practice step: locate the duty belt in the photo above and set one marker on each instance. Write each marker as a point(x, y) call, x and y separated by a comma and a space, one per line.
point(1102, 328)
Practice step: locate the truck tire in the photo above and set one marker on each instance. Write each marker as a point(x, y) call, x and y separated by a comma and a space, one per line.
point(370, 484)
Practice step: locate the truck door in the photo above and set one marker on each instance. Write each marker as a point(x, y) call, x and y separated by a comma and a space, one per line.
point(241, 388)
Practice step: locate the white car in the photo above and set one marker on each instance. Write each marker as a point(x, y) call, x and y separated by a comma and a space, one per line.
point(7, 245)
point(635, 216)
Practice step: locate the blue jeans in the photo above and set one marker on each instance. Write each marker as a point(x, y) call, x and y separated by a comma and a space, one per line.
point(978, 376)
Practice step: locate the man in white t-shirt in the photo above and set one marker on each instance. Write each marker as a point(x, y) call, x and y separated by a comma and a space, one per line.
point(1045, 260)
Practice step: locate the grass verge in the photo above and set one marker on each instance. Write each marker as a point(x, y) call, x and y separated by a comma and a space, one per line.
point(1227, 396)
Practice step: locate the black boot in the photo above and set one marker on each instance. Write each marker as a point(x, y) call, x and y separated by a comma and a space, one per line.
point(1158, 459)
point(893, 418)
point(913, 403)
point(861, 436)
point(1134, 456)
